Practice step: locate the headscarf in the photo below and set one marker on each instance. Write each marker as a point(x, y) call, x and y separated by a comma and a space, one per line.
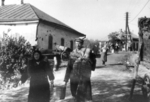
point(40, 55)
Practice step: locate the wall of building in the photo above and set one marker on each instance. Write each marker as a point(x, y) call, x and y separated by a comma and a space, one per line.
point(45, 30)
point(26, 30)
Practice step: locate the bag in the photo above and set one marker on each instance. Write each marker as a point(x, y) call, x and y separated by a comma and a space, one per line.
point(92, 59)
point(62, 92)
point(80, 93)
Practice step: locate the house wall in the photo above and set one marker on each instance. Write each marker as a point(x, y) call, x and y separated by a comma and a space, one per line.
point(45, 30)
point(26, 30)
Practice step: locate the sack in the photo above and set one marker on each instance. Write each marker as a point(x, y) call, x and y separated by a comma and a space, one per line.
point(63, 92)
point(80, 93)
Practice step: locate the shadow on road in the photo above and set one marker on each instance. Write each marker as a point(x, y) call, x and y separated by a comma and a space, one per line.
point(115, 91)
point(112, 91)
point(109, 65)
point(115, 64)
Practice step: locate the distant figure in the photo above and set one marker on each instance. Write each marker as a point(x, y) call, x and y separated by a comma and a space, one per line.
point(117, 47)
point(104, 53)
point(112, 48)
point(39, 71)
point(129, 46)
point(23, 70)
point(57, 61)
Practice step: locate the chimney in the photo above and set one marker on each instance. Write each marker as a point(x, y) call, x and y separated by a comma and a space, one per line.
point(22, 2)
point(3, 2)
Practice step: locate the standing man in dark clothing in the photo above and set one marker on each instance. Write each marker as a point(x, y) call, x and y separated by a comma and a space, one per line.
point(79, 72)
point(57, 61)
point(104, 53)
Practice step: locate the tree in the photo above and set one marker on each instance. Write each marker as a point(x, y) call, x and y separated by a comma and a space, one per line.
point(13, 49)
point(14, 43)
point(114, 37)
point(21, 41)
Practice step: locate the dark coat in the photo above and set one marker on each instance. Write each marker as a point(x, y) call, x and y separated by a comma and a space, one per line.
point(79, 73)
point(39, 90)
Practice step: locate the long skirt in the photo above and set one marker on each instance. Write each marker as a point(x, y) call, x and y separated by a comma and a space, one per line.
point(39, 90)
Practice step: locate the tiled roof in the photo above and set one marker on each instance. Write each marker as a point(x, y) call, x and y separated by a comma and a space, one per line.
point(27, 12)
point(132, 35)
point(46, 17)
point(17, 13)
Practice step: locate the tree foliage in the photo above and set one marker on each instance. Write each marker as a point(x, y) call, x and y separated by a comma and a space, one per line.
point(113, 37)
point(117, 37)
point(13, 48)
point(11, 42)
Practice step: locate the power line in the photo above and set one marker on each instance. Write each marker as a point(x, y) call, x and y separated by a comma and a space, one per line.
point(135, 5)
point(140, 10)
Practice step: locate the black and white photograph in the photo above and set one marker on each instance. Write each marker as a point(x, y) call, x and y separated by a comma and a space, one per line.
point(74, 50)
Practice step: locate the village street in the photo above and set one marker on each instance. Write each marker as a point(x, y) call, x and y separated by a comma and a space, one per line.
point(110, 83)
point(50, 30)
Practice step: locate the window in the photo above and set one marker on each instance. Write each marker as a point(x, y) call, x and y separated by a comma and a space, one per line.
point(50, 42)
point(71, 44)
point(62, 42)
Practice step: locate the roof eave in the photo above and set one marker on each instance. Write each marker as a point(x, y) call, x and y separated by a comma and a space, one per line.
point(18, 22)
point(73, 31)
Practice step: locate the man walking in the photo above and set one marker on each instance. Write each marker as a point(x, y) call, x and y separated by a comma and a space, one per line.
point(79, 72)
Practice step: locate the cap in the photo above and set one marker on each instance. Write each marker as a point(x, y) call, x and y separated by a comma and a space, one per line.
point(81, 40)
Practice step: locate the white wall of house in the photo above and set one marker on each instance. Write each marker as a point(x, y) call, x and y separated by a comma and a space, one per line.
point(44, 31)
point(15, 30)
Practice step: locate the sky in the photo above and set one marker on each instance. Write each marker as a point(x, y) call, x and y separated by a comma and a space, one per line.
point(94, 18)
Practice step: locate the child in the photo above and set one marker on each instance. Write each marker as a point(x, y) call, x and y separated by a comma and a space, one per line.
point(23, 70)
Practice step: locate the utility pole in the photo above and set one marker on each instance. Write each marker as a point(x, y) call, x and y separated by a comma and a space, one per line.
point(127, 30)
point(2, 1)
point(22, 2)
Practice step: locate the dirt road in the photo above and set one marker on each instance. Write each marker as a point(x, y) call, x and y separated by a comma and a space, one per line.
point(110, 83)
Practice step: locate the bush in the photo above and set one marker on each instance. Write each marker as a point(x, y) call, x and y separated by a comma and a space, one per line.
point(12, 54)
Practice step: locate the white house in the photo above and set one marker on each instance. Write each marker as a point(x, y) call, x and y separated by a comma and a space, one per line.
point(36, 26)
